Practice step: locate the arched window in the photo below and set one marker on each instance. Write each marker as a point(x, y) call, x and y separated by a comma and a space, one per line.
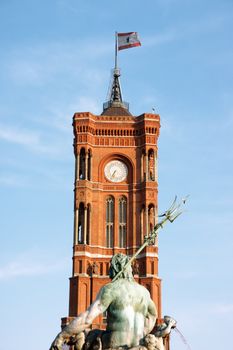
point(81, 224)
point(151, 165)
point(82, 164)
point(89, 165)
point(122, 222)
point(109, 221)
point(143, 166)
point(151, 217)
point(88, 238)
point(142, 223)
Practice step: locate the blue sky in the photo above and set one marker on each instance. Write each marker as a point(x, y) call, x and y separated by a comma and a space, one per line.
point(55, 60)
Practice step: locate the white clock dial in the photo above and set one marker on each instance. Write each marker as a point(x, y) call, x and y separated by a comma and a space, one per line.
point(116, 171)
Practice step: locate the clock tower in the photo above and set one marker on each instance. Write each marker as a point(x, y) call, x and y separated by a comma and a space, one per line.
point(115, 198)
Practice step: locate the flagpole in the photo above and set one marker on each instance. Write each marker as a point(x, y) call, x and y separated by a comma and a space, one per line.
point(116, 48)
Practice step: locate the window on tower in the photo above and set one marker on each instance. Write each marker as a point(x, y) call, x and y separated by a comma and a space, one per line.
point(151, 165)
point(81, 224)
point(109, 221)
point(82, 172)
point(89, 165)
point(122, 222)
point(151, 217)
point(88, 224)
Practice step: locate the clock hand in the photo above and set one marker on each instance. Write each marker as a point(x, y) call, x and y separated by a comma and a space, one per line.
point(113, 174)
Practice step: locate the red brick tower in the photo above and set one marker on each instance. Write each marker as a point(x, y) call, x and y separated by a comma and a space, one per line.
point(115, 198)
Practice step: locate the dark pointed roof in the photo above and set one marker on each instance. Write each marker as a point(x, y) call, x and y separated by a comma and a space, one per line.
point(116, 110)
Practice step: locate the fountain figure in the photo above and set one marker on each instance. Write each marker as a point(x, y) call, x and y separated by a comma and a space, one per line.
point(131, 313)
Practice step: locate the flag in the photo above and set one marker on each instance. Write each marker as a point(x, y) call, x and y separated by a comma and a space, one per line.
point(127, 40)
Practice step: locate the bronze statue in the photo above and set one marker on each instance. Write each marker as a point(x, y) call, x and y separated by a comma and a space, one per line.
point(131, 313)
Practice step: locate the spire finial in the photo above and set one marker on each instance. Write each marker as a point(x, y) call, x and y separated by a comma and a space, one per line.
point(115, 95)
point(116, 88)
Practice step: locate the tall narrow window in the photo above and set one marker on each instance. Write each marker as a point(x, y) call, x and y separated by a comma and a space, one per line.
point(88, 223)
point(81, 224)
point(151, 217)
point(122, 222)
point(109, 221)
point(89, 166)
point(151, 165)
point(82, 164)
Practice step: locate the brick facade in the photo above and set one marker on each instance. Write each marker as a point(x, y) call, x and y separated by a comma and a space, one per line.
point(115, 135)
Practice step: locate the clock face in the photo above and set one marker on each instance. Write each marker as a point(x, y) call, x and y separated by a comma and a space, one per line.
point(116, 171)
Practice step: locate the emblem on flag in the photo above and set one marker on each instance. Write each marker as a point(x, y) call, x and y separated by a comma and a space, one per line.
point(128, 40)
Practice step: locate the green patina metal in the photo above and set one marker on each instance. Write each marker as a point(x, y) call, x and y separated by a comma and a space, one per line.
point(170, 215)
point(131, 313)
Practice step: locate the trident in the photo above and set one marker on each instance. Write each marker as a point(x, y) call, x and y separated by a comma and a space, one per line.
point(170, 215)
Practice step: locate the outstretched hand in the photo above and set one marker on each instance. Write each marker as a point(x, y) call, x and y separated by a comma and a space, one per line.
point(170, 321)
point(173, 323)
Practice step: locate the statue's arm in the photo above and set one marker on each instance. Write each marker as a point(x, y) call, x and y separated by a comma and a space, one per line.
point(83, 321)
point(150, 318)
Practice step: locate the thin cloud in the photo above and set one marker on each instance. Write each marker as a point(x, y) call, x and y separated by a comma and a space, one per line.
point(12, 181)
point(88, 104)
point(186, 275)
point(223, 309)
point(187, 28)
point(159, 39)
point(60, 116)
point(25, 71)
point(21, 137)
point(40, 178)
point(39, 64)
point(29, 268)
point(29, 139)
